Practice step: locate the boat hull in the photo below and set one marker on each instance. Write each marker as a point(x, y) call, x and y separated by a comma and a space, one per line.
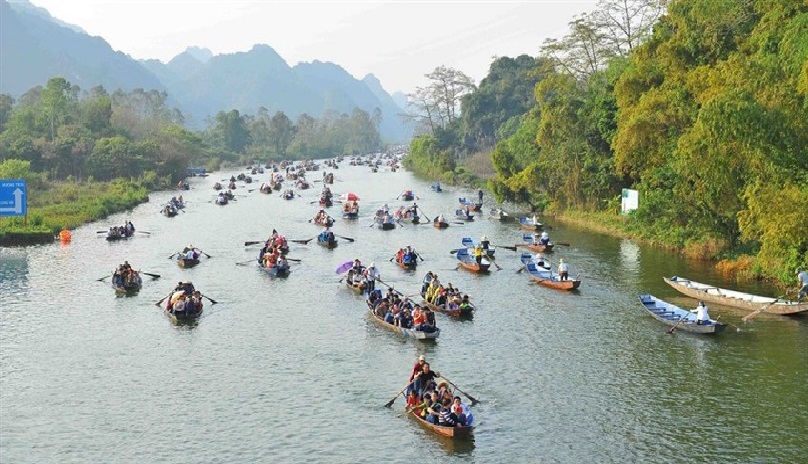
point(440, 225)
point(184, 318)
point(350, 215)
point(406, 333)
point(453, 432)
point(704, 292)
point(557, 284)
point(674, 316)
point(537, 248)
point(187, 263)
point(330, 244)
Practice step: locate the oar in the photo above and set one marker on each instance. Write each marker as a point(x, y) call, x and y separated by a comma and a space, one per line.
point(512, 248)
point(255, 242)
point(162, 300)
point(562, 244)
point(460, 223)
point(494, 263)
point(762, 308)
point(346, 238)
point(393, 400)
point(244, 263)
point(670, 331)
point(153, 276)
point(303, 242)
point(143, 232)
point(294, 260)
point(473, 399)
point(102, 278)
point(419, 256)
point(209, 256)
point(172, 255)
point(211, 299)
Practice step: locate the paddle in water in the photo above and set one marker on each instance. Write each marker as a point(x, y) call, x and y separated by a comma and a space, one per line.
point(345, 238)
point(244, 263)
point(762, 308)
point(393, 399)
point(473, 399)
point(153, 276)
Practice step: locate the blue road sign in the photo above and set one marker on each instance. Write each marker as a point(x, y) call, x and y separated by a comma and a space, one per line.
point(13, 197)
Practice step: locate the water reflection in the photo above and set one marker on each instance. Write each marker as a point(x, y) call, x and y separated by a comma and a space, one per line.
point(13, 274)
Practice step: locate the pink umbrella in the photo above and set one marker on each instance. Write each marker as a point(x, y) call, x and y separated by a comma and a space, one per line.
point(349, 197)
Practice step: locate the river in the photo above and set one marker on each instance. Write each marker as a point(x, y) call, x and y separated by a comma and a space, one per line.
point(293, 370)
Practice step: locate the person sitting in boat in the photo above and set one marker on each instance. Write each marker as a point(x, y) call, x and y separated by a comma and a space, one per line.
point(484, 242)
point(467, 210)
point(282, 262)
point(413, 400)
point(461, 412)
point(129, 227)
point(440, 219)
point(563, 270)
point(412, 211)
point(542, 262)
point(178, 307)
point(702, 317)
point(536, 221)
point(544, 239)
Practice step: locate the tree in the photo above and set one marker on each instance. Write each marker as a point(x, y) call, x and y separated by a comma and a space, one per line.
point(58, 103)
point(281, 132)
point(438, 104)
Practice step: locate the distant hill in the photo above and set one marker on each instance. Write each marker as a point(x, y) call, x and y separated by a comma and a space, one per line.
point(34, 47)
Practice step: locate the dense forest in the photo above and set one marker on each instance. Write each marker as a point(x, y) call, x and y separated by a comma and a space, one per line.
point(702, 107)
point(67, 133)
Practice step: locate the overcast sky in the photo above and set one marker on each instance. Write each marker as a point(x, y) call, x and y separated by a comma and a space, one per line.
point(398, 41)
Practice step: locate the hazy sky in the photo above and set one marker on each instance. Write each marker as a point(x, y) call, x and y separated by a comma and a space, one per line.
point(398, 41)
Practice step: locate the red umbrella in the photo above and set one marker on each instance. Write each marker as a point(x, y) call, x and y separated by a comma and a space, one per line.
point(349, 197)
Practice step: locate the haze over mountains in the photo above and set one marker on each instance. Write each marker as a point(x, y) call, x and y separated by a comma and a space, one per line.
point(34, 47)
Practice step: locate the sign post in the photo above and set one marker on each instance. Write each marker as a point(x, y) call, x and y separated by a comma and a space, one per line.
point(13, 197)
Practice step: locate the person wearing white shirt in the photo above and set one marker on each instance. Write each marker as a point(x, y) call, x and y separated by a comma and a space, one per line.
point(802, 280)
point(702, 317)
point(563, 270)
point(372, 274)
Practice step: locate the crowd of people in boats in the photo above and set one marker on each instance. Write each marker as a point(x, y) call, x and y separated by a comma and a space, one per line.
point(350, 207)
point(124, 231)
point(400, 311)
point(125, 277)
point(185, 301)
point(363, 278)
point(273, 253)
point(189, 252)
point(406, 255)
point(432, 399)
point(447, 297)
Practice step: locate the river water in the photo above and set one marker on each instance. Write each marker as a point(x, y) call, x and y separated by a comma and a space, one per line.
point(293, 370)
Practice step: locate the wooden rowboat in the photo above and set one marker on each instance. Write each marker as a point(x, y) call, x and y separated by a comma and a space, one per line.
point(472, 206)
point(736, 299)
point(275, 271)
point(546, 277)
point(534, 247)
point(128, 288)
point(410, 265)
point(470, 263)
point(461, 215)
point(330, 244)
point(468, 242)
point(499, 215)
point(358, 288)
point(186, 262)
point(526, 223)
point(181, 318)
point(439, 225)
point(453, 432)
point(407, 333)
point(465, 312)
point(675, 316)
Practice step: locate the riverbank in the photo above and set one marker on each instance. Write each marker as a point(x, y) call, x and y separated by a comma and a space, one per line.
point(54, 206)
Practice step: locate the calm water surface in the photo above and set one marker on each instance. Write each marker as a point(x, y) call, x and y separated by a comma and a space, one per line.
point(292, 370)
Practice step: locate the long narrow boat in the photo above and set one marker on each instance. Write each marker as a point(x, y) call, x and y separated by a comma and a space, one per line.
point(357, 288)
point(439, 224)
point(453, 432)
point(546, 277)
point(180, 318)
point(472, 206)
point(675, 316)
point(468, 242)
point(385, 225)
point(186, 262)
point(469, 262)
point(407, 333)
point(411, 219)
point(183, 316)
point(407, 263)
point(460, 214)
point(330, 244)
point(534, 247)
point(128, 288)
point(500, 215)
point(462, 312)
point(527, 223)
point(736, 299)
point(275, 271)
point(327, 222)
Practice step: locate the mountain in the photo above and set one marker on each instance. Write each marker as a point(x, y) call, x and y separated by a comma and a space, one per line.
point(35, 47)
point(401, 99)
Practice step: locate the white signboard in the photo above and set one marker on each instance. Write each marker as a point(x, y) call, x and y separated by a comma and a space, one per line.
point(631, 200)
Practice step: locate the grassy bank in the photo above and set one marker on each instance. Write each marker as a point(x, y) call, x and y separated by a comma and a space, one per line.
point(53, 206)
